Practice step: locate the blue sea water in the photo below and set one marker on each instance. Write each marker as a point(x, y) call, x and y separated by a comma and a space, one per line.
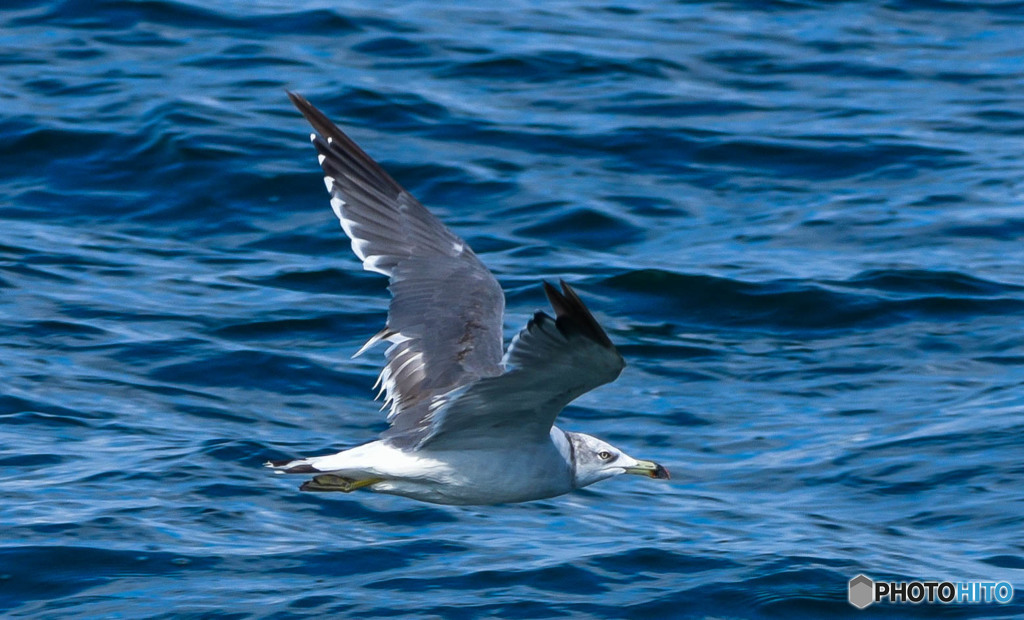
point(802, 223)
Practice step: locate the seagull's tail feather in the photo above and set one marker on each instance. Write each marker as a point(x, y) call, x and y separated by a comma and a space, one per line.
point(293, 466)
point(337, 464)
point(356, 468)
point(322, 482)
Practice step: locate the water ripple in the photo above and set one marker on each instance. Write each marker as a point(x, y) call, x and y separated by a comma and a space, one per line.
point(798, 220)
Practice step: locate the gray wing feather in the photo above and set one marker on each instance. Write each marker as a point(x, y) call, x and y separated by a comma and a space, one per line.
point(551, 363)
point(444, 322)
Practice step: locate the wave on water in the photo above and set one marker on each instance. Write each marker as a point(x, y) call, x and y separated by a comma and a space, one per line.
point(799, 222)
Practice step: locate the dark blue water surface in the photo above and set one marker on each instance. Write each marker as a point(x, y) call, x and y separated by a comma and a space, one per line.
point(802, 223)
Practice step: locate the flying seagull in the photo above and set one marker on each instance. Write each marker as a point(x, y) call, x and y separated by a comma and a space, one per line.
point(469, 423)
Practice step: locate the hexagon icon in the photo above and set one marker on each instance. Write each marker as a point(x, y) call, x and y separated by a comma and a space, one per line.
point(862, 591)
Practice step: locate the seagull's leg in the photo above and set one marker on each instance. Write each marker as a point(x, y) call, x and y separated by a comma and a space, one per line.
point(330, 482)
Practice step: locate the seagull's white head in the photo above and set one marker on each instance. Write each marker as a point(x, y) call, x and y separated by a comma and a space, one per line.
point(595, 460)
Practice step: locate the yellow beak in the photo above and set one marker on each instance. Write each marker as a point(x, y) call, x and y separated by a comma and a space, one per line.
point(650, 469)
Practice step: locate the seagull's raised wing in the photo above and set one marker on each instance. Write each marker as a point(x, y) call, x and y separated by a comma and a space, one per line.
point(551, 363)
point(444, 322)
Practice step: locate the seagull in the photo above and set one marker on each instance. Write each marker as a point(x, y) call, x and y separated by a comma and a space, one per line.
point(470, 424)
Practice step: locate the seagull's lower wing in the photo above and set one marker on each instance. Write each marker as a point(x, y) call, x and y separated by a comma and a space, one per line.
point(551, 363)
point(445, 319)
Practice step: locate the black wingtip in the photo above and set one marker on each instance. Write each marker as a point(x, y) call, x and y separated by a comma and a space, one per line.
point(539, 318)
point(315, 117)
point(569, 308)
point(554, 298)
point(349, 157)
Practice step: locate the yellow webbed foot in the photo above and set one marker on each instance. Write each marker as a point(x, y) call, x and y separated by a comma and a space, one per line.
point(330, 482)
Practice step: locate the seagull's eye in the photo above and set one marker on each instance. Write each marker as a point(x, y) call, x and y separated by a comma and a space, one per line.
point(604, 455)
